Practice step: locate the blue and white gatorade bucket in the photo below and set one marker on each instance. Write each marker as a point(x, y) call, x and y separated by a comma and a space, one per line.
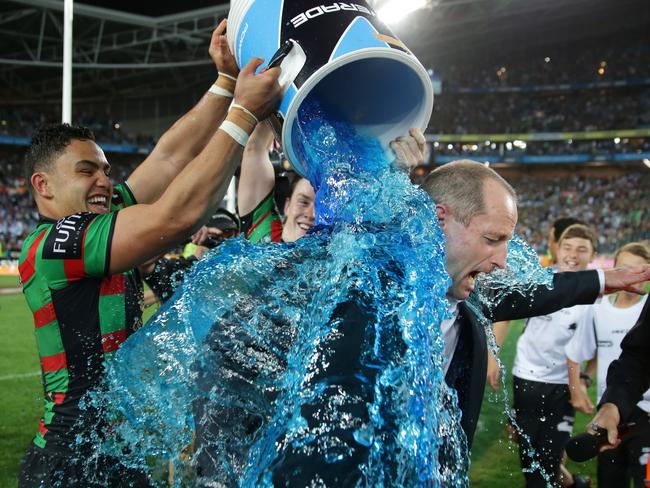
point(343, 55)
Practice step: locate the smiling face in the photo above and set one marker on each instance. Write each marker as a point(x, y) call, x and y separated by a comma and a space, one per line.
point(481, 245)
point(76, 181)
point(299, 212)
point(574, 253)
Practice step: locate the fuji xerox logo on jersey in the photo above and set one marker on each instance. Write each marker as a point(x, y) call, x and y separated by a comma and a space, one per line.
point(66, 239)
point(319, 10)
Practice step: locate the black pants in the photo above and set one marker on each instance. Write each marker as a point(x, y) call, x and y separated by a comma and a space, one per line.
point(545, 415)
point(46, 470)
point(617, 467)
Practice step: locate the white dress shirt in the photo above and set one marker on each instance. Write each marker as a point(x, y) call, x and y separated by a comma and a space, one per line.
point(451, 327)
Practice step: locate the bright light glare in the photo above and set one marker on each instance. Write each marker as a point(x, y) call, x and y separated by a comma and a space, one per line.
point(647, 162)
point(395, 10)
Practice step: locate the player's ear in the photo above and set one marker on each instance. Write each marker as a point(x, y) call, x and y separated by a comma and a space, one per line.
point(41, 185)
point(442, 211)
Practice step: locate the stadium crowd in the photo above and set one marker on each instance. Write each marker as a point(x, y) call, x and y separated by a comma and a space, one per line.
point(617, 207)
point(585, 110)
point(23, 121)
point(592, 147)
point(587, 65)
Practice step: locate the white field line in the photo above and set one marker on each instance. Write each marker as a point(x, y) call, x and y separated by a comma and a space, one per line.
point(8, 377)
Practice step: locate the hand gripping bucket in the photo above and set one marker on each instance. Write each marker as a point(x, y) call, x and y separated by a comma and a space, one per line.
point(340, 53)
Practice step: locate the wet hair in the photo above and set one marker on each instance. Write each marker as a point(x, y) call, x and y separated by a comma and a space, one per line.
point(561, 224)
point(639, 249)
point(581, 231)
point(459, 185)
point(48, 142)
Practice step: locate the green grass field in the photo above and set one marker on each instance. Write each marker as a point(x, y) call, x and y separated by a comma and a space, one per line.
point(494, 458)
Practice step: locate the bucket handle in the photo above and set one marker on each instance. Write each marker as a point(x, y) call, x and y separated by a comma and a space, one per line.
point(291, 58)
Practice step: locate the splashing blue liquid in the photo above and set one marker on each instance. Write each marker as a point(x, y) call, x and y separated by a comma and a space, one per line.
point(319, 361)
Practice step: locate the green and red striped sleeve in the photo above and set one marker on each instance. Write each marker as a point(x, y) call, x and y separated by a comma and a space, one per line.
point(263, 224)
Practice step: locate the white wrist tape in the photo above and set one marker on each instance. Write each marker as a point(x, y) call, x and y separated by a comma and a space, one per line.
point(233, 130)
point(236, 105)
point(233, 78)
point(222, 92)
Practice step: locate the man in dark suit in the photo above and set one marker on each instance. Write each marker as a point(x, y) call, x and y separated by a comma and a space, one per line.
point(477, 211)
point(627, 378)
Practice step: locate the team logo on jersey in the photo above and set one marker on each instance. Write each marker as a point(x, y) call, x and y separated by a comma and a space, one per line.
point(65, 240)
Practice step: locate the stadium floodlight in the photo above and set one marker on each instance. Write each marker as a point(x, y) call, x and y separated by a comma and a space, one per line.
point(519, 144)
point(393, 11)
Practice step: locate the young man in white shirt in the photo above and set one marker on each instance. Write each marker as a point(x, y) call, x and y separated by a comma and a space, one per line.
point(600, 336)
point(541, 395)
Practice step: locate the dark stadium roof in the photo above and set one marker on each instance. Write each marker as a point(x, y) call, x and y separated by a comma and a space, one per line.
point(136, 49)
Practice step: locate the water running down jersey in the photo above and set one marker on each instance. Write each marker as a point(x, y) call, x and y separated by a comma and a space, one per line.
point(81, 313)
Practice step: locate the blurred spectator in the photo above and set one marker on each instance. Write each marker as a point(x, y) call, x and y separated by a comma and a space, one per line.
point(617, 208)
point(584, 110)
point(22, 122)
point(552, 68)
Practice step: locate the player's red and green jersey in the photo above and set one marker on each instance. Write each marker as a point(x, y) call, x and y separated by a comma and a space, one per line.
point(263, 224)
point(82, 314)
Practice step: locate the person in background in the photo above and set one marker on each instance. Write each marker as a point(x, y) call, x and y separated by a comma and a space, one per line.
point(554, 233)
point(542, 403)
point(600, 335)
point(261, 221)
point(500, 331)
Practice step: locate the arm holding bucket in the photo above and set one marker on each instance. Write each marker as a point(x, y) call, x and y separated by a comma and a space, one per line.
point(257, 177)
point(191, 133)
point(143, 231)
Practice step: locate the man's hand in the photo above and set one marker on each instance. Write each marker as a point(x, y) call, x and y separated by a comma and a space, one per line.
point(258, 93)
point(220, 51)
point(580, 399)
point(493, 373)
point(409, 150)
point(627, 279)
point(608, 417)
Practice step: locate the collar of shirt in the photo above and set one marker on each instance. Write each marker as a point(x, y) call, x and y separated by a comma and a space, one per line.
point(453, 307)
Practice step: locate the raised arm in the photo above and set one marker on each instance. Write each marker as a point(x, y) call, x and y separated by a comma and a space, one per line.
point(569, 289)
point(572, 288)
point(142, 231)
point(189, 134)
point(256, 177)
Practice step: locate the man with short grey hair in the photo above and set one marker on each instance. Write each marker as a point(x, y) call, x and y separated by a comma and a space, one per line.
point(477, 212)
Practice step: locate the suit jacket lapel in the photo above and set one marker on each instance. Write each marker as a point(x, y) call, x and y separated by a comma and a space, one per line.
point(468, 369)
